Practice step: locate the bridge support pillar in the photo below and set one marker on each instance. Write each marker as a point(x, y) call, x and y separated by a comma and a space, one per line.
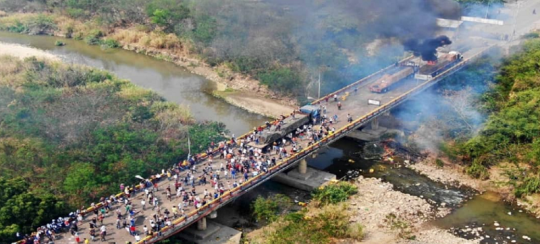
point(302, 166)
point(213, 215)
point(375, 124)
point(201, 224)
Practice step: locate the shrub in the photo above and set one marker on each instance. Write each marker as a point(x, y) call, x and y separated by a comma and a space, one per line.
point(324, 226)
point(280, 79)
point(529, 185)
point(109, 43)
point(334, 193)
point(268, 209)
point(94, 37)
point(40, 25)
point(17, 28)
point(69, 31)
point(531, 35)
point(59, 43)
point(76, 13)
point(478, 170)
point(439, 163)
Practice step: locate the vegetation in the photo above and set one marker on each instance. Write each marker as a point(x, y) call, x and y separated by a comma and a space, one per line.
point(334, 193)
point(236, 34)
point(316, 223)
point(269, 209)
point(21, 210)
point(314, 226)
point(73, 134)
point(396, 223)
point(511, 133)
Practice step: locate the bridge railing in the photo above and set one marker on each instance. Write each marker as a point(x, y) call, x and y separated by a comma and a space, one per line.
point(184, 221)
point(181, 223)
point(361, 80)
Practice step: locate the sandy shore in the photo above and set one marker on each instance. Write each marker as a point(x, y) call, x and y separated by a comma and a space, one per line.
point(256, 104)
point(247, 93)
point(24, 52)
point(450, 173)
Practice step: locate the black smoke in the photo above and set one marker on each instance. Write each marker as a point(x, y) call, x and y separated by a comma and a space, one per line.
point(427, 49)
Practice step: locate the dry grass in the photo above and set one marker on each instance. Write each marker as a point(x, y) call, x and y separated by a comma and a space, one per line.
point(133, 92)
point(12, 19)
point(9, 70)
point(157, 40)
point(10, 65)
point(138, 37)
point(78, 28)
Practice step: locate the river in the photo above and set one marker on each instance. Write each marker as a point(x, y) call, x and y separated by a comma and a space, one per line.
point(167, 79)
point(341, 158)
point(499, 222)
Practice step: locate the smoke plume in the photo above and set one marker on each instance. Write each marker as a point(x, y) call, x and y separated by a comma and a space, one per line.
point(427, 49)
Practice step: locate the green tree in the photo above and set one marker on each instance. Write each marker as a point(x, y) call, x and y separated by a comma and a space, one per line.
point(167, 13)
point(21, 210)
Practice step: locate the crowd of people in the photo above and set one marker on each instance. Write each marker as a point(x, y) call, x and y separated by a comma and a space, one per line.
point(190, 184)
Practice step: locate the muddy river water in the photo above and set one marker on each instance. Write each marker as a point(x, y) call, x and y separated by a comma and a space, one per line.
point(167, 79)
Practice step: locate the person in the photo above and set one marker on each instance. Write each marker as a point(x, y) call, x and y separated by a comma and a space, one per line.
point(339, 105)
point(335, 97)
point(103, 232)
point(143, 203)
point(349, 118)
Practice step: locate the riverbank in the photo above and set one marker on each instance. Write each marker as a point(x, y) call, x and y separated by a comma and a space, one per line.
point(390, 216)
point(170, 48)
point(239, 90)
point(22, 52)
point(387, 216)
point(454, 174)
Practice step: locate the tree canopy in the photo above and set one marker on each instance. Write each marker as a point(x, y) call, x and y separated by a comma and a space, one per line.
point(72, 134)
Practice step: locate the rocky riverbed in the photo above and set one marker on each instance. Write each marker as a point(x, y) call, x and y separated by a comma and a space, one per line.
point(379, 208)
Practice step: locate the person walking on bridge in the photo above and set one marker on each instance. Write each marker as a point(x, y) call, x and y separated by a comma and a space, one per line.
point(339, 105)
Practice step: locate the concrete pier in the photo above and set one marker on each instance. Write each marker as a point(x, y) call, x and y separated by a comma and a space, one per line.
point(302, 166)
point(201, 224)
point(308, 181)
point(375, 124)
point(215, 233)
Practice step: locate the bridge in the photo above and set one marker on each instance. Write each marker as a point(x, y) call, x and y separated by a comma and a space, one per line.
point(354, 99)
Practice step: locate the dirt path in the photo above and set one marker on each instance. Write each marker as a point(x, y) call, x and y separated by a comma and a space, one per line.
point(257, 104)
point(24, 52)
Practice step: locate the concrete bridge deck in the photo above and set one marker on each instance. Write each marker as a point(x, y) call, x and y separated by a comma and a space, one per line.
point(354, 103)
